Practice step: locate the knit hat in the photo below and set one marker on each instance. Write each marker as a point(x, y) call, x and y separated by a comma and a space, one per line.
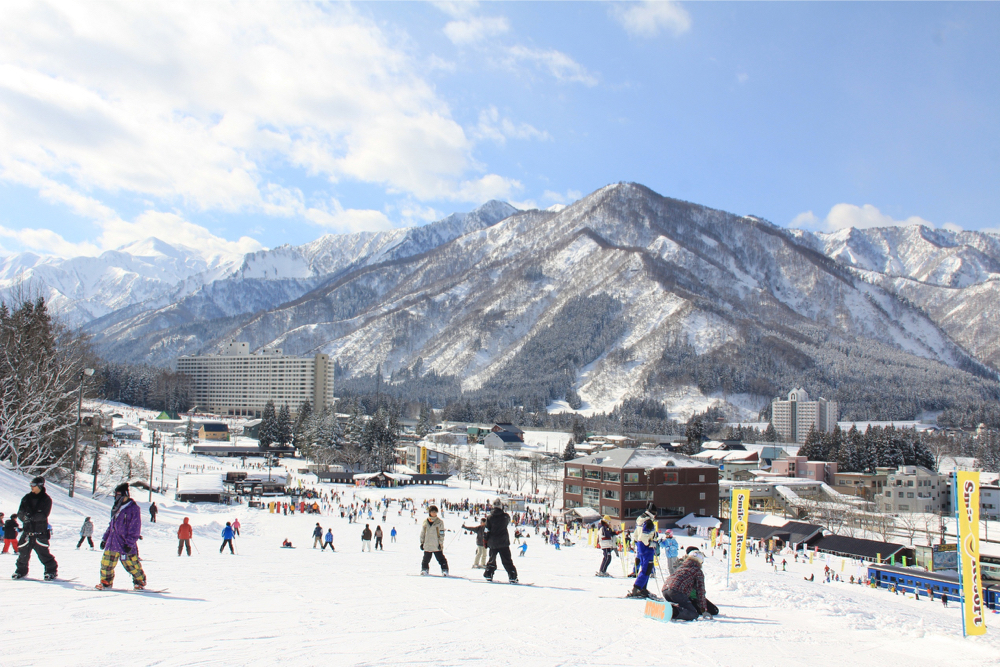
point(122, 489)
point(606, 518)
point(432, 508)
point(669, 533)
point(497, 503)
point(690, 549)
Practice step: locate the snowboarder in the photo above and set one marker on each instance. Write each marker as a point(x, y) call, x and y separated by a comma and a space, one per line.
point(227, 538)
point(480, 561)
point(366, 538)
point(685, 588)
point(328, 540)
point(392, 534)
point(432, 542)
point(34, 514)
point(645, 545)
point(523, 548)
point(86, 533)
point(378, 538)
point(606, 541)
point(318, 536)
point(153, 511)
point(10, 530)
point(120, 541)
point(498, 540)
point(184, 535)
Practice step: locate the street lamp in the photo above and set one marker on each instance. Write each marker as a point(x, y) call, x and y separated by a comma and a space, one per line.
point(76, 438)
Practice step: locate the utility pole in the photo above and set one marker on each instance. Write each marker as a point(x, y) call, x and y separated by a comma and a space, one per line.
point(163, 463)
point(152, 462)
point(86, 372)
point(96, 468)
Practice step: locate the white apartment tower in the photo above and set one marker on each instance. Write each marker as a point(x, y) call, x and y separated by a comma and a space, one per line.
point(237, 383)
point(794, 418)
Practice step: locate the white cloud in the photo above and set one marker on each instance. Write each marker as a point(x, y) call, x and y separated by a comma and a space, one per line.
point(48, 242)
point(842, 216)
point(489, 187)
point(649, 18)
point(559, 198)
point(556, 63)
point(192, 104)
point(476, 30)
point(494, 128)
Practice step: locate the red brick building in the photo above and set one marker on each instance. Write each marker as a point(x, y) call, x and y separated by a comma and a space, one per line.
point(620, 482)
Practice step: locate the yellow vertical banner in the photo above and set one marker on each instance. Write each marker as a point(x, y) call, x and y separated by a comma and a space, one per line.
point(739, 516)
point(966, 494)
point(711, 537)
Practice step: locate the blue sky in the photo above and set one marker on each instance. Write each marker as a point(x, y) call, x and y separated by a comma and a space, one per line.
point(230, 127)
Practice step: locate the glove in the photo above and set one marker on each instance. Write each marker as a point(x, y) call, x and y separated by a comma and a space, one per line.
point(421, 547)
point(103, 544)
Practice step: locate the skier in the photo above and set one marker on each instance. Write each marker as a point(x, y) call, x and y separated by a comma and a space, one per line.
point(685, 588)
point(378, 538)
point(184, 535)
point(153, 511)
point(10, 529)
point(120, 541)
point(480, 561)
point(236, 527)
point(34, 514)
point(328, 540)
point(606, 541)
point(645, 545)
point(392, 534)
point(366, 538)
point(498, 540)
point(86, 533)
point(432, 542)
point(670, 548)
point(227, 538)
point(318, 536)
point(523, 548)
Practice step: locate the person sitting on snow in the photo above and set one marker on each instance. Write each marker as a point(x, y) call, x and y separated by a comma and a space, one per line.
point(685, 589)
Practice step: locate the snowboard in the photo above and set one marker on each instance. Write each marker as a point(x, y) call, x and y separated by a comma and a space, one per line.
point(652, 597)
point(57, 580)
point(487, 581)
point(132, 590)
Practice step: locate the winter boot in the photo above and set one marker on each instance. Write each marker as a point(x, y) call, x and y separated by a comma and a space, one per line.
point(49, 576)
point(17, 576)
point(514, 580)
point(103, 586)
point(138, 587)
point(444, 573)
point(637, 593)
point(424, 573)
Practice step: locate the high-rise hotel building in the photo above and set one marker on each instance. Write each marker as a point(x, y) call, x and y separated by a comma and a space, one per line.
point(237, 383)
point(794, 418)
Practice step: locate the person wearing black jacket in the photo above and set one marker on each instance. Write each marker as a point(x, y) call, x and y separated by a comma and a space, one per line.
point(480, 531)
point(498, 541)
point(34, 515)
point(10, 530)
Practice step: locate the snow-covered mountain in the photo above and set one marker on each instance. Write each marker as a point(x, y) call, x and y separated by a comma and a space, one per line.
point(624, 293)
point(953, 276)
point(81, 289)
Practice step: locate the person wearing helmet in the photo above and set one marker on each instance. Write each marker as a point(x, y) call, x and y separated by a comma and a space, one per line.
point(645, 548)
point(120, 541)
point(685, 588)
point(606, 541)
point(34, 514)
point(670, 548)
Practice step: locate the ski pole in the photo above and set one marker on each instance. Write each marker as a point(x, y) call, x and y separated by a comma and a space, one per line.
point(195, 545)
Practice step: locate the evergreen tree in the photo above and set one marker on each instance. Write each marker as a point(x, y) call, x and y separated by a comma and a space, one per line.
point(424, 424)
point(573, 399)
point(303, 419)
point(283, 430)
point(570, 452)
point(189, 434)
point(267, 433)
point(813, 447)
point(579, 431)
point(770, 434)
point(695, 434)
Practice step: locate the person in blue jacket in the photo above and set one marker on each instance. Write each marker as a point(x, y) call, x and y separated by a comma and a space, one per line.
point(670, 548)
point(328, 540)
point(227, 537)
point(645, 545)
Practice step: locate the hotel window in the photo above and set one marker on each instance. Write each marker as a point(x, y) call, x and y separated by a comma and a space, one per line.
point(611, 495)
point(612, 476)
point(631, 478)
point(573, 488)
point(574, 472)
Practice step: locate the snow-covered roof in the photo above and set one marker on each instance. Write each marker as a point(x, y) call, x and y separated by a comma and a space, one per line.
point(398, 476)
point(200, 483)
point(640, 458)
point(699, 521)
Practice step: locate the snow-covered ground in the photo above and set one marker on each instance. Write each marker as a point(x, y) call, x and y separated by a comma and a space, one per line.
point(268, 606)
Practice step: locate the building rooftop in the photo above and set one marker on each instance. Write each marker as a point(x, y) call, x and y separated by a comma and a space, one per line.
point(640, 458)
point(215, 427)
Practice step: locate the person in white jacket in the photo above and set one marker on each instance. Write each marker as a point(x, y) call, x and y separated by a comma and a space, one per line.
point(432, 542)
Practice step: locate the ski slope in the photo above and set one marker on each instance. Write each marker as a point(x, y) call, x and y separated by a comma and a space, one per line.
point(270, 606)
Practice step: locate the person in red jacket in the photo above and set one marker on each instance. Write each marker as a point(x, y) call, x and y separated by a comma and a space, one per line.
point(184, 534)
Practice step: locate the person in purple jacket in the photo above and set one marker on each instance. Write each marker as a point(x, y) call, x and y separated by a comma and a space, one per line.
point(119, 541)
